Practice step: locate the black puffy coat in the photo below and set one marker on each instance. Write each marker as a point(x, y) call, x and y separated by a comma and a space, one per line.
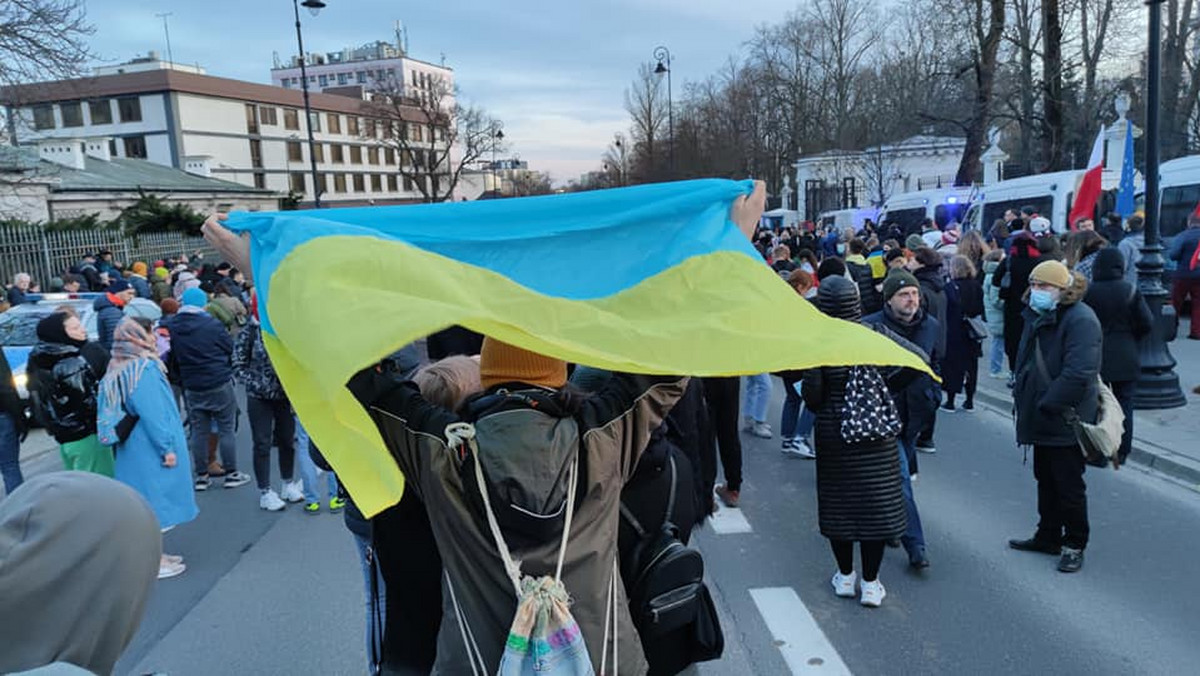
point(1123, 314)
point(858, 485)
point(964, 299)
point(62, 387)
point(933, 300)
point(1071, 342)
point(1012, 278)
point(871, 298)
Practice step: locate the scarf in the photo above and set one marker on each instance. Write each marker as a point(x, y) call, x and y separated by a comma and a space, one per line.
point(133, 351)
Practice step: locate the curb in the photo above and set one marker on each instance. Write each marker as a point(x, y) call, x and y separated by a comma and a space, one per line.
point(1145, 454)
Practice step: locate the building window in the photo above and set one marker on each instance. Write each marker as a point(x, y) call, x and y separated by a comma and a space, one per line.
point(416, 133)
point(342, 79)
point(389, 156)
point(370, 127)
point(392, 187)
point(335, 153)
point(260, 180)
point(359, 184)
point(322, 183)
point(318, 151)
point(323, 80)
point(130, 109)
point(414, 78)
point(373, 155)
point(297, 182)
point(361, 77)
point(291, 118)
point(112, 147)
point(251, 118)
point(256, 153)
point(376, 183)
point(72, 114)
point(294, 153)
point(339, 183)
point(100, 111)
point(406, 158)
point(268, 115)
point(314, 121)
point(43, 117)
point(335, 123)
point(135, 146)
point(352, 125)
point(355, 154)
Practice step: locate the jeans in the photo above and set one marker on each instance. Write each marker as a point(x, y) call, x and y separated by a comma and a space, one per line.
point(996, 356)
point(271, 422)
point(758, 396)
point(1123, 390)
point(204, 408)
point(375, 624)
point(721, 396)
point(798, 420)
point(914, 536)
point(10, 453)
point(308, 469)
point(1062, 496)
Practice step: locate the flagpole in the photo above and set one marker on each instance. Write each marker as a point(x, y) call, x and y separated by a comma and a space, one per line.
point(1157, 385)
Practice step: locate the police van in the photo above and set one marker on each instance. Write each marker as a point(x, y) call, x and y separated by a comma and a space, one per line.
point(1050, 195)
point(943, 205)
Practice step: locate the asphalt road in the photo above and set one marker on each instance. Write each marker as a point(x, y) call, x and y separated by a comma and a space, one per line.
point(282, 593)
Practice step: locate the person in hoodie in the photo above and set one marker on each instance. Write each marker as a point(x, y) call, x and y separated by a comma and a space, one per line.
point(137, 279)
point(202, 350)
point(138, 417)
point(78, 559)
point(1012, 280)
point(110, 310)
point(1126, 317)
point(160, 288)
point(64, 372)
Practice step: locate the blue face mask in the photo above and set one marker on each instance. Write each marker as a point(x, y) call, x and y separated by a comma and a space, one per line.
point(841, 248)
point(1042, 301)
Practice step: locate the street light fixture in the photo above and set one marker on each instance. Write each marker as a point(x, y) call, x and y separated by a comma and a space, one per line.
point(314, 8)
point(663, 55)
point(497, 138)
point(1158, 385)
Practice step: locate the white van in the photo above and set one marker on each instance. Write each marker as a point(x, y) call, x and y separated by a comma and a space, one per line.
point(1049, 194)
point(1179, 193)
point(847, 218)
point(943, 205)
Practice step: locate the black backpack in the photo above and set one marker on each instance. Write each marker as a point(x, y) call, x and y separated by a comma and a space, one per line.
point(671, 607)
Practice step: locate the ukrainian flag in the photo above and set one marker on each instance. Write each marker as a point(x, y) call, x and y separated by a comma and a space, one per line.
point(650, 279)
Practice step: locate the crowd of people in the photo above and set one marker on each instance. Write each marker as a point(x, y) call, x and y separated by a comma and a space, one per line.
point(587, 477)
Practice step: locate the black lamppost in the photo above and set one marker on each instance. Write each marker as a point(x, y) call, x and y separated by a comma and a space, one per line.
point(1158, 385)
point(663, 55)
point(314, 8)
point(497, 138)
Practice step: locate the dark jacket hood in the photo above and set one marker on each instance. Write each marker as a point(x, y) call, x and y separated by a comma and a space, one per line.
point(1109, 265)
point(838, 298)
point(45, 355)
point(931, 275)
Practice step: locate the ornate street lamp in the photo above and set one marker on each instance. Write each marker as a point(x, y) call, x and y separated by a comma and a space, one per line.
point(497, 138)
point(314, 8)
point(663, 55)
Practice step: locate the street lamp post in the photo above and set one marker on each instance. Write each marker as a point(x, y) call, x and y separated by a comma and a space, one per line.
point(497, 137)
point(1158, 385)
point(663, 55)
point(314, 8)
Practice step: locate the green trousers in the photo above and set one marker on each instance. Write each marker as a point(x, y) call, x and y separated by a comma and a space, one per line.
point(87, 455)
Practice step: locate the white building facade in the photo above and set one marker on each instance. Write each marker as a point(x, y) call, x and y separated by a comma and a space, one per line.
point(377, 65)
point(249, 133)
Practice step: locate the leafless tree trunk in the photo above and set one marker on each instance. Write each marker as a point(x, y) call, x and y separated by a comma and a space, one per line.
point(847, 30)
point(1026, 39)
point(1180, 75)
point(645, 101)
point(1053, 157)
point(988, 30)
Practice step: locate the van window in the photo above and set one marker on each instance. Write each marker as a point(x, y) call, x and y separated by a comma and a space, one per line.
point(1177, 204)
point(909, 220)
point(944, 214)
point(993, 211)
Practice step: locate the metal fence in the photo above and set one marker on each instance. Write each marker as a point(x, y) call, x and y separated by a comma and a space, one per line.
point(50, 254)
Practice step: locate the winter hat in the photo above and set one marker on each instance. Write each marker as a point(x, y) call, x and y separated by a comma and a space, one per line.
point(118, 286)
point(169, 306)
point(1039, 226)
point(1053, 273)
point(161, 273)
point(138, 268)
point(194, 297)
point(914, 242)
point(896, 280)
point(143, 308)
point(503, 363)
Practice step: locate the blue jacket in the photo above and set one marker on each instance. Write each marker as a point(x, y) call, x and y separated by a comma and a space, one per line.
point(158, 431)
point(201, 349)
point(140, 285)
point(1183, 247)
point(108, 315)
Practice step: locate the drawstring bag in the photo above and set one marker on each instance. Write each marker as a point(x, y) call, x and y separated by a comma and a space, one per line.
point(544, 638)
point(870, 413)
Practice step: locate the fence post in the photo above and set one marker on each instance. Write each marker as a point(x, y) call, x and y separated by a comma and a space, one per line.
point(48, 273)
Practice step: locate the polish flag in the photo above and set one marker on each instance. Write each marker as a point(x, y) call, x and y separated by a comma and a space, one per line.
point(1089, 187)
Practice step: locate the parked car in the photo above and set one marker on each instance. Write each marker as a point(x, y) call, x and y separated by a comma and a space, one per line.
point(18, 327)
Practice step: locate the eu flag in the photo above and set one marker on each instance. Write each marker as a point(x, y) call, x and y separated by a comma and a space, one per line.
point(1125, 205)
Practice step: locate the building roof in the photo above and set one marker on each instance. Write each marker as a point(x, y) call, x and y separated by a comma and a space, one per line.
point(157, 81)
point(119, 175)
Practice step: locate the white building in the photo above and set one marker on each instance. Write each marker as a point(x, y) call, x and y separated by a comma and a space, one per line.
point(249, 133)
point(841, 179)
point(373, 66)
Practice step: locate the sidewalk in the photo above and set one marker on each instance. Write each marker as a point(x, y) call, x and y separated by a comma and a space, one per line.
point(1167, 441)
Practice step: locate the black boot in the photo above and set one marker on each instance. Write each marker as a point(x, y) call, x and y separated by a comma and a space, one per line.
point(1035, 545)
point(1071, 560)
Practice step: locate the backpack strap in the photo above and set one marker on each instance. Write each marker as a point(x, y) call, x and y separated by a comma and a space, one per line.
point(627, 514)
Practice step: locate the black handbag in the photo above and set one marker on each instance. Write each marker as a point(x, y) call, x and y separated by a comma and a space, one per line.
point(977, 328)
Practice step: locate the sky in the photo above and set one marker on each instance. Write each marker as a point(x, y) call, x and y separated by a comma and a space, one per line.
point(554, 73)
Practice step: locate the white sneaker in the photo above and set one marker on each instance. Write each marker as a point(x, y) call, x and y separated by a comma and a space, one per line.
point(270, 501)
point(843, 585)
point(293, 491)
point(168, 569)
point(761, 430)
point(235, 479)
point(747, 424)
point(872, 593)
point(802, 449)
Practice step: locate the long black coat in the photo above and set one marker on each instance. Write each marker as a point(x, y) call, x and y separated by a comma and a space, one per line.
point(964, 298)
point(1123, 314)
point(858, 485)
point(1022, 258)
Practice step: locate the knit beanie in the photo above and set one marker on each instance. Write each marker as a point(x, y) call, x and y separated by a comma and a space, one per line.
point(139, 268)
point(896, 280)
point(914, 242)
point(161, 273)
point(1053, 273)
point(118, 286)
point(503, 363)
point(169, 306)
point(194, 297)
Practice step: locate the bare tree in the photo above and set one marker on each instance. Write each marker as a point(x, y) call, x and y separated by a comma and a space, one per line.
point(987, 30)
point(1180, 74)
point(847, 30)
point(1053, 155)
point(645, 100)
point(525, 183)
point(434, 136)
point(42, 40)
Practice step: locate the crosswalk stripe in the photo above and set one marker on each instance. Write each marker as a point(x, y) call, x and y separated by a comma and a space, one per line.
point(728, 520)
point(805, 648)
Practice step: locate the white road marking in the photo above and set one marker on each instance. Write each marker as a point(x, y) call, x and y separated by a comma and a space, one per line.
point(729, 520)
point(804, 646)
